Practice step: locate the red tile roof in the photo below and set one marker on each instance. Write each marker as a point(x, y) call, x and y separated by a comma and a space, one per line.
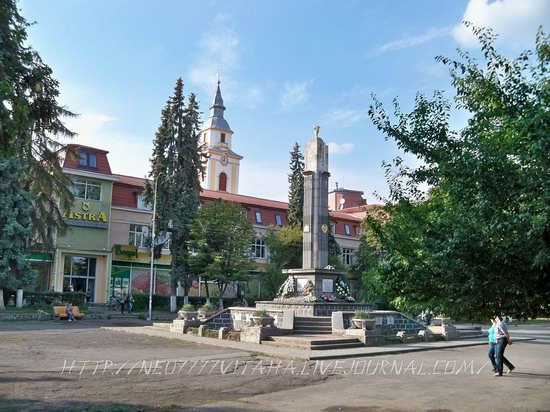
point(242, 199)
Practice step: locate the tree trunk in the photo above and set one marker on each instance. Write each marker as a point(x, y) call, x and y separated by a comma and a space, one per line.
point(19, 298)
point(206, 290)
point(2, 307)
point(173, 303)
point(186, 299)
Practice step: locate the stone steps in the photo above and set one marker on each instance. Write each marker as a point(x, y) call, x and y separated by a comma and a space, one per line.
point(160, 326)
point(470, 332)
point(313, 342)
point(121, 316)
point(314, 325)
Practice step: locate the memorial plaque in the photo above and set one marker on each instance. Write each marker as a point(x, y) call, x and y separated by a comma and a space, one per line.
point(300, 283)
point(328, 285)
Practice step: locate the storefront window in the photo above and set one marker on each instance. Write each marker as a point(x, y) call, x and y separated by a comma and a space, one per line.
point(79, 274)
point(42, 280)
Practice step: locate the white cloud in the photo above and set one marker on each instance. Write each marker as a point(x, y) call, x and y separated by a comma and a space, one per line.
point(339, 149)
point(295, 93)
point(410, 41)
point(515, 21)
point(346, 117)
point(128, 154)
point(219, 51)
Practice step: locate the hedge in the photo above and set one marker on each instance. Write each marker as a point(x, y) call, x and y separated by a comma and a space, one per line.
point(50, 298)
point(162, 303)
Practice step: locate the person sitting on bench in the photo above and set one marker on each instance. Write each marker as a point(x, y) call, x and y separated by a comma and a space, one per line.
point(69, 312)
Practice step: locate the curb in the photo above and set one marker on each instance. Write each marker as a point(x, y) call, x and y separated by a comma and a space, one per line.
point(297, 354)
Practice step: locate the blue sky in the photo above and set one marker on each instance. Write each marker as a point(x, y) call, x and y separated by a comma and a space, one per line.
point(285, 66)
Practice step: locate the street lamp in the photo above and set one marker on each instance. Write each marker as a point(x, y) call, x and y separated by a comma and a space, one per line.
point(150, 317)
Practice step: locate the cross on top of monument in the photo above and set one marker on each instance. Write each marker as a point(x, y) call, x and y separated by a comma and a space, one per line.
point(316, 130)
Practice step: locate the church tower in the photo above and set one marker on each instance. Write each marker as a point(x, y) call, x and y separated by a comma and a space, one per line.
point(222, 169)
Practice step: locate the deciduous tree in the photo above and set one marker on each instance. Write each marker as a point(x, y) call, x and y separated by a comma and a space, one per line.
point(479, 242)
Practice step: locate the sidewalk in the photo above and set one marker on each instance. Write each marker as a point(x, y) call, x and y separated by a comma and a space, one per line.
point(301, 354)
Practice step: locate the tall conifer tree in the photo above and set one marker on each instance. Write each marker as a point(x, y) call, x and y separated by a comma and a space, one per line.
point(296, 189)
point(30, 119)
point(176, 164)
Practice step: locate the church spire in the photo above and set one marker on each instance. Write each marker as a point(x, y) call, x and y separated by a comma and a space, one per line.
point(217, 109)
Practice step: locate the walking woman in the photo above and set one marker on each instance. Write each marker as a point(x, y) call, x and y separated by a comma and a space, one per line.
point(491, 353)
point(501, 340)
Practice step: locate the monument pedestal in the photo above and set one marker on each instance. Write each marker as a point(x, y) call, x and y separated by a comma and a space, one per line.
point(323, 280)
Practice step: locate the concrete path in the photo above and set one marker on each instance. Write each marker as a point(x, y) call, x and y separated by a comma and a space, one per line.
point(302, 354)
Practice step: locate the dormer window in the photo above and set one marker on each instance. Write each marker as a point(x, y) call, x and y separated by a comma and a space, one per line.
point(87, 159)
point(223, 138)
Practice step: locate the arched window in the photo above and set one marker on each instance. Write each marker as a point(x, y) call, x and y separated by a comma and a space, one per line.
point(222, 186)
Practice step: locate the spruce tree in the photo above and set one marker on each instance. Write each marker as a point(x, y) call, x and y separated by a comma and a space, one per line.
point(296, 189)
point(176, 165)
point(15, 226)
point(30, 119)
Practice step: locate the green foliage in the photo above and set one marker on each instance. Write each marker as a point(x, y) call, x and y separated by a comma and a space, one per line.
point(162, 302)
point(207, 307)
point(285, 246)
point(220, 239)
point(176, 165)
point(361, 314)
point(30, 118)
point(296, 188)
point(271, 280)
point(16, 227)
point(261, 313)
point(479, 242)
point(55, 298)
point(188, 308)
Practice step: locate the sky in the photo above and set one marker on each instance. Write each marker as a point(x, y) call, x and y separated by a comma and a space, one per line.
point(285, 66)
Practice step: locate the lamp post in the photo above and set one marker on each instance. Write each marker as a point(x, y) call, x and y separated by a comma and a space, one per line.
point(150, 317)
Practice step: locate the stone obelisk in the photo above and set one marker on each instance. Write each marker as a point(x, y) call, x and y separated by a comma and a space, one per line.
point(315, 276)
point(316, 222)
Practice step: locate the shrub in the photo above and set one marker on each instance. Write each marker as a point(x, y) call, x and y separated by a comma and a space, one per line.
point(55, 298)
point(207, 307)
point(188, 308)
point(262, 313)
point(361, 314)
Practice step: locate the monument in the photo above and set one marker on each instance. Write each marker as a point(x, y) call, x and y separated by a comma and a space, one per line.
point(316, 279)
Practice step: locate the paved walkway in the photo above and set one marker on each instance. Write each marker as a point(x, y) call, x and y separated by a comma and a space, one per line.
point(303, 354)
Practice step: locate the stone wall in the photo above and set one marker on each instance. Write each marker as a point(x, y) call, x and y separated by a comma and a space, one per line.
point(312, 309)
point(223, 320)
point(235, 318)
point(389, 322)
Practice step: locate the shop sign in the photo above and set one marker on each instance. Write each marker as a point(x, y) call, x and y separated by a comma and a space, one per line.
point(85, 217)
point(127, 251)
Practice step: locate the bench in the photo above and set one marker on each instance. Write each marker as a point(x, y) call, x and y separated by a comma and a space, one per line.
point(59, 312)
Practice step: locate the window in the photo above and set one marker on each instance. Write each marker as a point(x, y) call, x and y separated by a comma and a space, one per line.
point(141, 203)
point(222, 187)
point(259, 217)
point(348, 256)
point(87, 159)
point(79, 275)
point(223, 138)
point(347, 230)
point(164, 239)
point(278, 220)
point(139, 235)
point(259, 250)
point(86, 189)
